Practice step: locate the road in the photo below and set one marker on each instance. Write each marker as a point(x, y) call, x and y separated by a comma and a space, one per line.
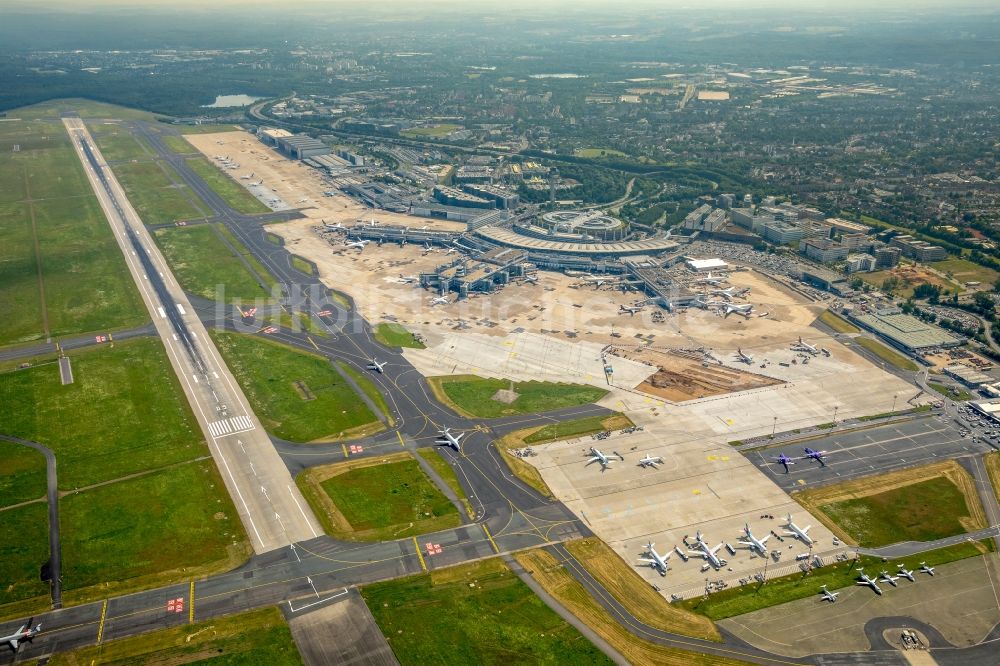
point(266, 498)
point(52, 498)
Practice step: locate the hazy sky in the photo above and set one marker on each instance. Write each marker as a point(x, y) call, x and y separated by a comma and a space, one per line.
point(380, 6)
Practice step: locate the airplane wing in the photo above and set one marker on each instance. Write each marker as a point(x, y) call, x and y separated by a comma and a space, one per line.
point(647, 560)
point(592, 461)
point(459, 436)
point(716, 549)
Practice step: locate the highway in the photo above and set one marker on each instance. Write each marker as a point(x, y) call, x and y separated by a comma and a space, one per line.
point(273, 511)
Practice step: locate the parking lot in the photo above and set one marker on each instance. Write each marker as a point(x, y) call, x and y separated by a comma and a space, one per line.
point(867, 451)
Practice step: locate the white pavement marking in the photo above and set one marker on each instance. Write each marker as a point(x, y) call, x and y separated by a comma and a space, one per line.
point(163, 315)
point(180, 308)
point(241, 423)
point(219, 428)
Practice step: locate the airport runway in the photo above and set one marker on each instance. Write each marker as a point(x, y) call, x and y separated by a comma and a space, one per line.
point(857, 453)
point(272, 510)
point(76, 342)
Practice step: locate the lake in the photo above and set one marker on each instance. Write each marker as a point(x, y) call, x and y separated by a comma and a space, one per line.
point(226, 101)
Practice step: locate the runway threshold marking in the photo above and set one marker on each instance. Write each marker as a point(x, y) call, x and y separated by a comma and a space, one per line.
point(100, 627)
point(191, 604)
point(490, 537)
point(401, 443)
point(420, 556)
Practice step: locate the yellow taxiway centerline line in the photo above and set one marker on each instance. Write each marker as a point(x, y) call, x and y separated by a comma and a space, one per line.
point(420, 556)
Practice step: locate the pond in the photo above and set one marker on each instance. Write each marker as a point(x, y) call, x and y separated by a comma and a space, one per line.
point(226, 101)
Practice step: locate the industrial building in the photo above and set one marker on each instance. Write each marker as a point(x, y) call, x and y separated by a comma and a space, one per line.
point(905, 331)
point(706, 265)
point(969, 376)
point(301, 146)
point(988, 408)
point(503, 198)
point(452, 196)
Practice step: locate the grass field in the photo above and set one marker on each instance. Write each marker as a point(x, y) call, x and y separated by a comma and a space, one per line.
point(377, 499)
point(598, 152)
point(963, 270)
point(920, 503)
point(302, 266)
point(838, 324)
point(202, 261)
point(557, 581)
point(447, 474)
point(888, 355)
point(370, 390)
point(477, 613)
point(117, 143)
point(923, 511)
point(396, 335)
point(473, 396)
point(232, 192)
point(24, 548)
point(739, 600)
point(992, 462)
point(205, 128)
point(178, 145)
point(430, 131)
point(267, 371)
point(297, 321)
point(185, 519)
point(124, 413)
point(155, 196)
point(635, 594)
point(256, 638)
point(960, 394)
point(53, 109)
point(55, 235)
point(23, 477)
point(578, 428)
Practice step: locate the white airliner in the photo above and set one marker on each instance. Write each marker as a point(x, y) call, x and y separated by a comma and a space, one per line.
point(867, 580)
point(908, 575)
point(338, 225)
point(727, 294)
point(451, 440)
point(710, 279)
point(631, 309)
point(651, 461)
point(376, 366)
point(791, 529)
point(25, 633)
point(746, 358)
point(655, 560)
point(828, 595)
point(803, 346)
point(596, 456)
point(886, 578)
point(359, 244)
point(753, 543)
point(926, 569)
point(408, 279)
point(708, 553)
point(742, 309)
point(440, 300)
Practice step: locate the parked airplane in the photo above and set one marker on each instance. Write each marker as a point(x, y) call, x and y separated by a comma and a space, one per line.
point(655, 560)
point(25, 633)
point(801, 532)
point(596, 456)
point(338, 225)
point(926, 569)
point(376, 366)
point(753, 543)
point(710, 279)
point(428, 247)
point(650, 461)
point(451, 440)
point(828, 595)
point(742, 309)
point(784, 460)
point(408, 279)
point(746, 358)
point(886, 578)
point(440, 300)
point(814, 455)
point(531, 278)
point(804, 347)
point(631, 309)
point(727, 294)
point(708, 553)
point(360, 244)
point(908, 575)
point(867, 580)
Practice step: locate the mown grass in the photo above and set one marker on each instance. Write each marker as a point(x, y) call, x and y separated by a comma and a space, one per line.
point(156, 197)
point(302, 266)
point(395, 335)
point(256, 638)
point(557, 581)
point(838, 324)
point(381, 501)
point(45, 196)
point(923, 511)
point(964, 271)
point(430, 131)
point(447, 474)
point(202, 261)
point(267, 371)
point(370, 389)
point(117, 143)
point(473, 395)
point(24, 548)
point(960, 394)
point(178, 145)
point(888, 355)
point(578, 428)
point(168, 525)
point(231, 192)
point(124, 413)
point(740, 600)
point(478, 613)
point(23, 476)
